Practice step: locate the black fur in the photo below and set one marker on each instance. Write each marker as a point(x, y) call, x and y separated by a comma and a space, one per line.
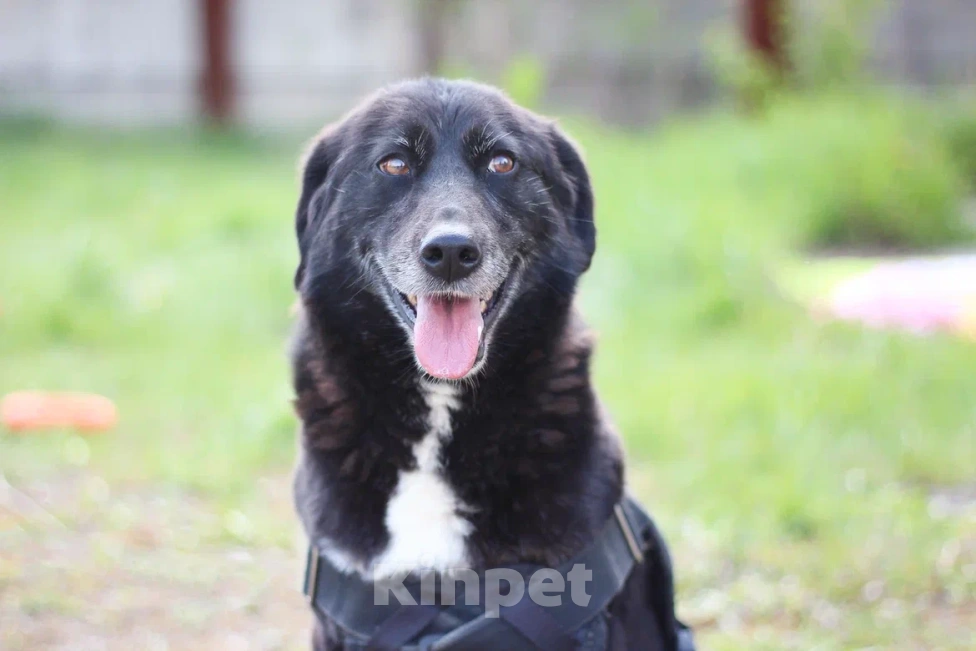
point(530, 452)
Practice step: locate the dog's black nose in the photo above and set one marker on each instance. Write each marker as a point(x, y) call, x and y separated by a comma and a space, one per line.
point(450, 256)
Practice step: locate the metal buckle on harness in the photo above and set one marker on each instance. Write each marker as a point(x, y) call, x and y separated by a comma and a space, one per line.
point(310, 589)
point(628, 532)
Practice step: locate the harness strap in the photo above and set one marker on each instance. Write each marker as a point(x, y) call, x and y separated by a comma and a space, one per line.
point(348, 599)
point(532, 621)
point(345, 598)
point(402, 627)
point(526, 626)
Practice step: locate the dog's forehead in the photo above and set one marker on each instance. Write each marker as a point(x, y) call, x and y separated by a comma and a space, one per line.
point(447, 110)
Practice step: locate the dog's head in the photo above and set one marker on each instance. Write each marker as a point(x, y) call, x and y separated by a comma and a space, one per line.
point(445, 201)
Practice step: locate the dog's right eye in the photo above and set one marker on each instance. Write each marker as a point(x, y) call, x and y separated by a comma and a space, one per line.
point(394, 166)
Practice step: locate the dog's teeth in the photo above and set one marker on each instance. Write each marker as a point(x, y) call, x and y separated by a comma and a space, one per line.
point(412, 299)
point(484, 306)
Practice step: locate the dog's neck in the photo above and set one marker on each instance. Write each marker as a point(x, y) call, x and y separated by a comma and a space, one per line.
point(400, 472)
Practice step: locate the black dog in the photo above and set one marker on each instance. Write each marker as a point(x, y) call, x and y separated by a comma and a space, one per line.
point(442, 377)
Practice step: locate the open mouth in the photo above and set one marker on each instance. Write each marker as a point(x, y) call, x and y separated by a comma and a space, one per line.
point(449, 329)
point(485, 305)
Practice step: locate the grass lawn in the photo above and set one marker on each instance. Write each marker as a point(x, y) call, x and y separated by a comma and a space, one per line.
point(817, 482)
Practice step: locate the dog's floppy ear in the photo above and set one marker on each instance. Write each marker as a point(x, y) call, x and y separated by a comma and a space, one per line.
point(575, 192)
point(316, 165)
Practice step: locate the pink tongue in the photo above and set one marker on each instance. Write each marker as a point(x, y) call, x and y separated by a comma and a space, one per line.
point(447, 334)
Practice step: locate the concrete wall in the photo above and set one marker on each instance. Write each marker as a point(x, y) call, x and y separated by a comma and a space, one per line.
point(304, 61)
point(99, 60)
point(138, 61)
point(307, 61)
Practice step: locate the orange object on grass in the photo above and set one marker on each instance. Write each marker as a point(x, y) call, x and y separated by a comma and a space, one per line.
point(30, 410)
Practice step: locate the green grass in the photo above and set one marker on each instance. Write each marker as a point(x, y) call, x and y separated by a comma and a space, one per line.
point(791, 463)
point(153, 269)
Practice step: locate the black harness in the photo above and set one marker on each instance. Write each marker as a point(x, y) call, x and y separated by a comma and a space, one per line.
point(629, 539)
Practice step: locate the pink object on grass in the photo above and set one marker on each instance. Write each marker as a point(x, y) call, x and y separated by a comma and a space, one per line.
point(922, 295)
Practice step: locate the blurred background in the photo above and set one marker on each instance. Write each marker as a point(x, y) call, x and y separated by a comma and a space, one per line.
point(784, 291)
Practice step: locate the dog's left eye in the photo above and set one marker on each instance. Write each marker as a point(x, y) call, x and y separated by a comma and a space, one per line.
point(501, 164)
point(394, 166)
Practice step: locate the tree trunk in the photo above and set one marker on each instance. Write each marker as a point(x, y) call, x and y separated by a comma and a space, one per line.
point(433, 27)
point(765, 31)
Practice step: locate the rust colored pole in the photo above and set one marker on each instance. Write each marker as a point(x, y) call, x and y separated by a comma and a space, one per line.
point(765, 31)
point(217, 80)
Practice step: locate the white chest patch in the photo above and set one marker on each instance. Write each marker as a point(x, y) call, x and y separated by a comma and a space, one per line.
point(423, 516)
